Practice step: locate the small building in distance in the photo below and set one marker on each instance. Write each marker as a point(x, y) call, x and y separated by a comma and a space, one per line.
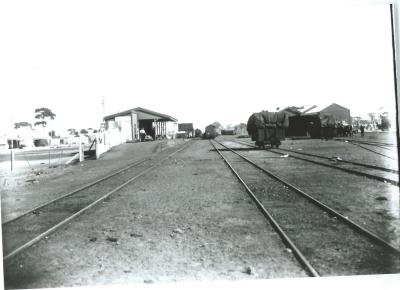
point(186, 127)
point(306, 121)
point(227, 132)
point(241, 129)
point(125, 126)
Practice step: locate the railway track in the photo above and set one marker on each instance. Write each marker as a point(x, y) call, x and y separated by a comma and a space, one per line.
point(379, 168)
point(324, 241)
point(392, 148)
point(23, 231)
point(378, 173)
point(367, 142)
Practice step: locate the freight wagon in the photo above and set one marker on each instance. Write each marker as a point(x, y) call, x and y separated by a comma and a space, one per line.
point(210, 132)
point(268, 128)
point(227, 132)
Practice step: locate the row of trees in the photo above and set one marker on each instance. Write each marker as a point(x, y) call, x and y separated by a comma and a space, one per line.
point(381, 120)
point(240, 129)
point(42, 114)
point(229, 126)
point(76, 133)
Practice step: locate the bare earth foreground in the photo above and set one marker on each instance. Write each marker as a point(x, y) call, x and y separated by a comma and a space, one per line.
point(187, 220)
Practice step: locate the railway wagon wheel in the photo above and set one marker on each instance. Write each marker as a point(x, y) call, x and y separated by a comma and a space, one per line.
point(274, 142)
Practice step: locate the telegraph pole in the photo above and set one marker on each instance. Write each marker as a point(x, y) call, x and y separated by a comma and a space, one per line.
point(12, 146)
point(104, 108)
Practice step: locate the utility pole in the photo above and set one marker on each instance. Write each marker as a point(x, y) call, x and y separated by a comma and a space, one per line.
point(12, 154)
point(12, 146)
point(104, 108)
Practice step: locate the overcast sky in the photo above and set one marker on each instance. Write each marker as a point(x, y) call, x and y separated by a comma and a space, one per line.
point(198, 61)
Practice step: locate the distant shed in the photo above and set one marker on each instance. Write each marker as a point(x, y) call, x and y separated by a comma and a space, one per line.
point(339, 113)
point(187, 127)
point(307, 121)
point(227, 132)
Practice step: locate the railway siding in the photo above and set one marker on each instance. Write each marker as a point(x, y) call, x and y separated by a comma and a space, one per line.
point(332, 245)
point(191, 220)
point(19, 195)
point(187, 220)
point(368, 202)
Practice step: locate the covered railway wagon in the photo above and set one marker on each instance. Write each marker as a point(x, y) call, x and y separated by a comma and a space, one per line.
point(210, 132)
point(327, 126)
point(268, 128)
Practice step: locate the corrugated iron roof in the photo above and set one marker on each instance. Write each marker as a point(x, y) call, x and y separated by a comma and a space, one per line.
point(319, 108)
point(297, 110)
point(143, 114)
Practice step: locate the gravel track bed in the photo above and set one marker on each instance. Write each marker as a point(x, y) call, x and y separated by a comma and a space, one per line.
point(370, 203)
point(18, 232)
point(359, 168)
point(331, 246)
point(22, 191)
point(187, 220)
point(346, 151)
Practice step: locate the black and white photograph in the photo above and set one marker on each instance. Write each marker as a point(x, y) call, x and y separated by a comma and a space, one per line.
point(199, 144)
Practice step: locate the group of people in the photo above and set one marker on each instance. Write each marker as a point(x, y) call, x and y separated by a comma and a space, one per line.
point(343, 130)
point(340, 130)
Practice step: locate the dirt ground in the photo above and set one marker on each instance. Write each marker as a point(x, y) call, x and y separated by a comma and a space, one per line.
point(368, 202)
point(25, 190)
point(188, 220)
point(332, 247)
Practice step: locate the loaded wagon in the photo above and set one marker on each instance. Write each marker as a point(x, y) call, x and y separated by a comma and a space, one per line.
point(210, 132)
point(268, 128)
point(327, 126)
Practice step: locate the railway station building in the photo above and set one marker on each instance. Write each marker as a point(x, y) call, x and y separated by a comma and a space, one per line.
point(128, 124)
point(306, 121)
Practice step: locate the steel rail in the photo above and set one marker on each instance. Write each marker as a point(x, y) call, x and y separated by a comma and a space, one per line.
point(55, 227)
point(324, 157)
point(359, 173)
point(326, 208)
point(343, 161)
point(355, 172)
point(356, 144)
point(383, 146)
point(284, 237)
point(371, 176)
point(386, 147)
point(369, 142)
point(74, 191)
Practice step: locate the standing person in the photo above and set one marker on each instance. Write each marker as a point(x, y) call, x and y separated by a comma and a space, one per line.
point(142, 133)
point(310, 129)
point(362, 130)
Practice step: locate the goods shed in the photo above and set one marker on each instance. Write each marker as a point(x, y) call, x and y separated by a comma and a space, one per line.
point(307, 121)
point(339, 113)
point(129, 122)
